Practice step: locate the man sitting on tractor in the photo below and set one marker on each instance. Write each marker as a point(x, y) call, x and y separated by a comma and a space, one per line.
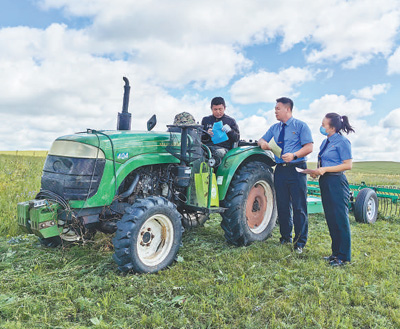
point(228, 133)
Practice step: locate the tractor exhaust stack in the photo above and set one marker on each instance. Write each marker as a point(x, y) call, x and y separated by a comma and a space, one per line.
point(124, 118)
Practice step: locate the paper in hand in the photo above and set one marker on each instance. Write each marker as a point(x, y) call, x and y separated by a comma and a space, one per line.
point(304, 171)
point(275, 148)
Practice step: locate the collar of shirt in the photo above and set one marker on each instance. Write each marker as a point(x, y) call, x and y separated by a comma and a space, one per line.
point(287, 122)
point(219, 119)
point(333, 138)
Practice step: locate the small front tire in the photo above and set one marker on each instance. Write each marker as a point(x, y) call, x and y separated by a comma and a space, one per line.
point(148, 236)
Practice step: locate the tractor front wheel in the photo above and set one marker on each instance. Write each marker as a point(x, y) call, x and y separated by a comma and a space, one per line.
point(148, 236)
point(251, 208)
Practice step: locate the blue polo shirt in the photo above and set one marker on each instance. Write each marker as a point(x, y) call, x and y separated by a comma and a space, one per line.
point(297, 134)
point(338, 150)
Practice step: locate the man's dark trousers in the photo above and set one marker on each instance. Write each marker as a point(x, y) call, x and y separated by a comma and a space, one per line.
point(291, 194)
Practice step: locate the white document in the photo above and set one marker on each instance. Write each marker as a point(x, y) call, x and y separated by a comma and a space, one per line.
point(304, 171)
point(275, 148)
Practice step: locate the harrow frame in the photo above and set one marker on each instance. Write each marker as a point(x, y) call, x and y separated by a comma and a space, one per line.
point(388, 199)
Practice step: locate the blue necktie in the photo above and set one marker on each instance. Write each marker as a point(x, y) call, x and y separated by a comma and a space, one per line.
point(281, 138)
point(321, 152)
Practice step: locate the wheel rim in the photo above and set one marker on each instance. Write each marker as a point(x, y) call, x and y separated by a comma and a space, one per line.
point(259, 207)
point(155, 240)
point(371, 209)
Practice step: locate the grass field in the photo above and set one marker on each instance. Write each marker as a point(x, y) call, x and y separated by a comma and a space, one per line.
point(25, 153)
point(213, 285)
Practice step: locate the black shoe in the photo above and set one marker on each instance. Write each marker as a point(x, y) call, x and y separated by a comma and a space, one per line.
point(337, 262)
point(329, 258)
point(284, 241)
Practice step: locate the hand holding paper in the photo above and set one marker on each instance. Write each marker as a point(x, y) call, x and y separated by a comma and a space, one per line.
point(226, 128)
point(275, 148)
point(305, 171)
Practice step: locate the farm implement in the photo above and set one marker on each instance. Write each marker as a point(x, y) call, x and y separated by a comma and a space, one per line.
point(365, 201)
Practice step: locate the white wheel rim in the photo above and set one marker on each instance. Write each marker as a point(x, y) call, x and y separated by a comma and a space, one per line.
point(371, 209)
point(155, 240)
point(268, 212)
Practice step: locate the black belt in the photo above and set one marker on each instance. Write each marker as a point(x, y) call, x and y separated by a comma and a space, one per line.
point(290, 164)
point(333, 173)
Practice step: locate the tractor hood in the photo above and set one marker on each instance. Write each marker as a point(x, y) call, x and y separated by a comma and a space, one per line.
point(125, 144)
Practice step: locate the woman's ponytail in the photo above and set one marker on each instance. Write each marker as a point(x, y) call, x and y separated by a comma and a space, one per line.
point(340, 123)
point(346, 127)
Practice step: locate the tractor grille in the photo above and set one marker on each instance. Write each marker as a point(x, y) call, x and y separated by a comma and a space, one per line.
point(72, 178)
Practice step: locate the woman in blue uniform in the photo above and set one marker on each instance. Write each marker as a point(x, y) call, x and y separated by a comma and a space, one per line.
point(333, 159)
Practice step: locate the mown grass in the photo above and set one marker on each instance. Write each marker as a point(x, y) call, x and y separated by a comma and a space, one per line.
point(213, 285)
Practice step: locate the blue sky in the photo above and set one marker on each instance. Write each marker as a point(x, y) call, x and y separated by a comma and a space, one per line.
point(62, 63)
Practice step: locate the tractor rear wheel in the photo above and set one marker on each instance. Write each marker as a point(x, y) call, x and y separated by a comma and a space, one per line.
point(251, 208)
point(148, 236)
point(366, 206)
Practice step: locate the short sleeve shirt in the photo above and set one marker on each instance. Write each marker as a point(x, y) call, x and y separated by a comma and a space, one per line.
point(338, 150)
point(297, 134)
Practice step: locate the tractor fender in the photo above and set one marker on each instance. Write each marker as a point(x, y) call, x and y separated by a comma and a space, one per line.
point(234, 159)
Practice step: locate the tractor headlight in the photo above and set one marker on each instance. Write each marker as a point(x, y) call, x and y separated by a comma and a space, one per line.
point(75, 150)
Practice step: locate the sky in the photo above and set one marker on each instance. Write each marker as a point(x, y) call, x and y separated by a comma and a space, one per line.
point(62, 63)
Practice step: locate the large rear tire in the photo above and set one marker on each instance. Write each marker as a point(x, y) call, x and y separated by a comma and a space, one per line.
point(251, 208)
point(366, 206)
point(148, 236)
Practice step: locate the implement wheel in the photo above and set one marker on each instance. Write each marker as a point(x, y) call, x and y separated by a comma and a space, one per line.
point(251, 207)
point(148, 236)
point(366, 206)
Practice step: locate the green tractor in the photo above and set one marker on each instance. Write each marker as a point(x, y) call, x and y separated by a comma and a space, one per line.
point(146, 187)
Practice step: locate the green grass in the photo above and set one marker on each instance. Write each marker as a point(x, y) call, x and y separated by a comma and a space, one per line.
point(377, 173)
point(19, 181)
point(213, 285)
point(25, 153)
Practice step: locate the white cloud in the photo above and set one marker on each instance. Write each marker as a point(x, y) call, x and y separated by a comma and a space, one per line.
point(369, 93)
point(353, 108)
point(209, 66)
point(253, 127)
point(394, 62)
point(350, 31)
point(355, 31)
point(267, 86)
point(392, 120)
